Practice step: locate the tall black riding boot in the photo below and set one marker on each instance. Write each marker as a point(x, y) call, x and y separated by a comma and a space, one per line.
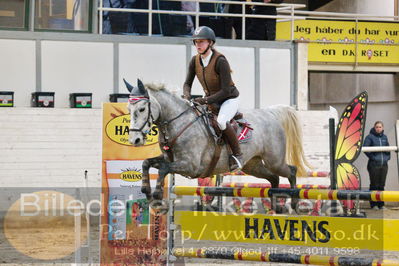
point(235, 160)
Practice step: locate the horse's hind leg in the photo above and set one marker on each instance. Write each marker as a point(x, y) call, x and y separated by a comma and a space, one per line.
point(292, 180)
point(288, 171)
point(256, 168)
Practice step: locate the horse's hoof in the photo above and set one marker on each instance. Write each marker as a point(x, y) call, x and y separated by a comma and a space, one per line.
point(159, 206)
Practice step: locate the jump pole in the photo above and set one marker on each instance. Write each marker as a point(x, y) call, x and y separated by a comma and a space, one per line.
point(279, 257)
point(308, 174)
point(325, 194)
point(266, 185)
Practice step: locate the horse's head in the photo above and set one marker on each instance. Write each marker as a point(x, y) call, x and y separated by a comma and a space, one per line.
point(140, 113)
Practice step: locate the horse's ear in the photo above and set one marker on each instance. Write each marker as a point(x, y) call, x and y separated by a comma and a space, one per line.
point(140, 84)
point(128, 86)
point(141, 87)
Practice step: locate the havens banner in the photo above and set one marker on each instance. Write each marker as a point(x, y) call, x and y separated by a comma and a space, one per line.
point(311, 231)
point(132, 233)
point(377, 42)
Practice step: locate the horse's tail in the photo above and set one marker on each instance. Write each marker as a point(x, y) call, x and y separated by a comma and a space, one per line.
point(293, 133)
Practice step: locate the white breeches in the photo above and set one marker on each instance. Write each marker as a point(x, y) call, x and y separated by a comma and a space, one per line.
point(227, 111)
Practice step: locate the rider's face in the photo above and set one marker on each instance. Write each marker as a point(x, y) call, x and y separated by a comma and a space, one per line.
point(201, 45)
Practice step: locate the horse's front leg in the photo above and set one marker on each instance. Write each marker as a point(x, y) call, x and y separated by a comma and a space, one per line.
point(147, 164)
point(164, 170)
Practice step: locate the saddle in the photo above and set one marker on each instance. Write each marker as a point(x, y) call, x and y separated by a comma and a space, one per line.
point(239, 124)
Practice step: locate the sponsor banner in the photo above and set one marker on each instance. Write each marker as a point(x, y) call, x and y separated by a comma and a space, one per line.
point(373, 40)
point(127, 205)
point(129, 222)
point(328, 232)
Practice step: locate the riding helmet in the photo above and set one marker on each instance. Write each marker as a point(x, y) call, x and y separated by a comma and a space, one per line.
point(204, 33)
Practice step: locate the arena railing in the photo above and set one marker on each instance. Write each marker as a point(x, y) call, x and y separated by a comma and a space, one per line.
point(197, 13)
point(289, 9)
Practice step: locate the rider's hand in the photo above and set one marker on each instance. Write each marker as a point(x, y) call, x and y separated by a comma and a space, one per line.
point(201, 100)
point(186, 97)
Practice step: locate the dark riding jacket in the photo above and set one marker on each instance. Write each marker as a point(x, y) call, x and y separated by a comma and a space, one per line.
point(375, 139)
point(215, 78)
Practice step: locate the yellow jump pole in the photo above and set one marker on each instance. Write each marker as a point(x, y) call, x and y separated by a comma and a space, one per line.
point(279, 257)
point(387, 196)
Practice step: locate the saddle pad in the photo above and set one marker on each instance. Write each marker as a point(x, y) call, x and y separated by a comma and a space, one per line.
point(244, 131)
point(242, 128)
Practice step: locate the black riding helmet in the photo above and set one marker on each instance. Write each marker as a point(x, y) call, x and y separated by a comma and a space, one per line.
point(204, 33)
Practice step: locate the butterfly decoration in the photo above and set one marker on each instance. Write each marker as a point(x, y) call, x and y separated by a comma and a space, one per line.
point(348, 143)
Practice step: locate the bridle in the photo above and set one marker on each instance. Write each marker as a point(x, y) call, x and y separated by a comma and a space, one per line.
point(150, 119)
point(167, 142)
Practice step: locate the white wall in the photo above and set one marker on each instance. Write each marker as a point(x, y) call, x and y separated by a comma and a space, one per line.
point(17, 69)
point(316, 138)
point(372, 7)
point(153, 63)
point(88, 66)
point(50, 147)
point(275, 73)
point(241, 61)
point(69, 67)
point(380, 7)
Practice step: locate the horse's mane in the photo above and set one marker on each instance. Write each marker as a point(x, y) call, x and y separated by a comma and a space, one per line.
point(155, 87)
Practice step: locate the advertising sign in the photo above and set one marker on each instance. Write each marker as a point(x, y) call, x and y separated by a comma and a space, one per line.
point(378, 42)
point(131, 232)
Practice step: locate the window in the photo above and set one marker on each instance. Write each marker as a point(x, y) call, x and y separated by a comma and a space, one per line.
point(62, 15)
point(13, 14)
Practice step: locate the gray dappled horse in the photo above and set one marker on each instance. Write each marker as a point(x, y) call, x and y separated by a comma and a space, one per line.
point(276, 139)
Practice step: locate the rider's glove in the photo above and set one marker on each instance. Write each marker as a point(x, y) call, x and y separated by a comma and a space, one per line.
point(201, 100)
point(186, 97)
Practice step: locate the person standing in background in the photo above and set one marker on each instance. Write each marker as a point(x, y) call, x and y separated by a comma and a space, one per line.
point(263, 28)
point(235, 22)
point(377, 165)
point(189, 6)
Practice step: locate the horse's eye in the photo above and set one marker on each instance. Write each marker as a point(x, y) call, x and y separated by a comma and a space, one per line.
point(141, 110)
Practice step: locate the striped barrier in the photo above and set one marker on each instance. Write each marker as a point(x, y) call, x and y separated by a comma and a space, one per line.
point(268, 185)
point(387, 196)
point(240, 207)
point(308, 174)
point(280, 257)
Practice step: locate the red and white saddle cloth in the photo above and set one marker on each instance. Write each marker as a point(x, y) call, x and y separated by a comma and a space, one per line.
point(243, 130)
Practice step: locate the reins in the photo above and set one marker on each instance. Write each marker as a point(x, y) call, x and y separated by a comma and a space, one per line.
point(167, 144)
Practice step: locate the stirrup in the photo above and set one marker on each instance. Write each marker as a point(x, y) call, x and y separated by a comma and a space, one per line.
point(237, 164)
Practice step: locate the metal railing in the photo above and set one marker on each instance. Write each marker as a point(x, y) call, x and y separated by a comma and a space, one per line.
point(289, 9)
point(197, 13)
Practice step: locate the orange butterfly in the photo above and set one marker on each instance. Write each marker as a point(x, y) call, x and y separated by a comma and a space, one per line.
point(348, 143)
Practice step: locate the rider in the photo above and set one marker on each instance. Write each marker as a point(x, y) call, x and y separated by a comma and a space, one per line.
point(213, 72)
